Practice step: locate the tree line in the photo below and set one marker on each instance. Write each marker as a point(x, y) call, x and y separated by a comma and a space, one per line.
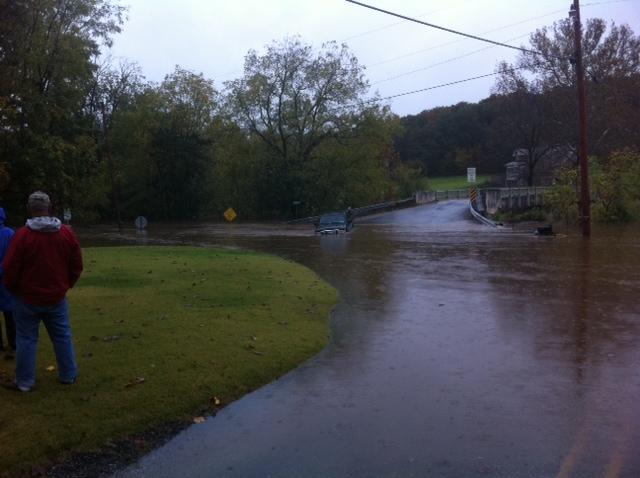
point(297, 133)
point(293, 134)
point(533, 106)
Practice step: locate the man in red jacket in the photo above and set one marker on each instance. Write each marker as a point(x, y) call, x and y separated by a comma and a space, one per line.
point(43, 261)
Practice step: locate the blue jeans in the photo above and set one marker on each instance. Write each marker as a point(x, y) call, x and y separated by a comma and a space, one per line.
point(56, 320)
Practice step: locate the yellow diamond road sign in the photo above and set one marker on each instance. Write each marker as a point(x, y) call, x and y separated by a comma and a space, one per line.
point(230, 214)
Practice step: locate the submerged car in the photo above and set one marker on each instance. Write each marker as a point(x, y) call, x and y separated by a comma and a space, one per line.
point(334, 223)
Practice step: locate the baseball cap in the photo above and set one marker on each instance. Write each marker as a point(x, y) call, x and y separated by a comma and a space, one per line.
point(39, 201)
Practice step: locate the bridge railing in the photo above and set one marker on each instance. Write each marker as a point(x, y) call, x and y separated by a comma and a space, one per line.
point(425, 197)
point(365, 210)
point(489, 199)
point(500, 199)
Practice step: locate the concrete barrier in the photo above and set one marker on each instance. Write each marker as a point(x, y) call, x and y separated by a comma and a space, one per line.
point(501, 199)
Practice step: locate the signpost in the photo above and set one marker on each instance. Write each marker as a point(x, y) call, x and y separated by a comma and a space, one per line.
point(141, 222)
point(471, 175)
point(295, 208)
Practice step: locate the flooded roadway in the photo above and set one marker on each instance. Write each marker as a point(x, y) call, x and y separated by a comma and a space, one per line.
point(457, 351)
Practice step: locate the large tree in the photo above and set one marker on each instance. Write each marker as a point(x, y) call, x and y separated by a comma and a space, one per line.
point(527, 117)
point(47, 49)
point(612, 63)
point(295, 99)
point(114, 90)
point(164, 142)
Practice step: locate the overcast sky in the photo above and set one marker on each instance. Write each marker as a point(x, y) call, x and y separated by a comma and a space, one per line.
point(213, 36)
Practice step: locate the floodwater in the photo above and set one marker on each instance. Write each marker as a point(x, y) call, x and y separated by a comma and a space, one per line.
point(457, 351)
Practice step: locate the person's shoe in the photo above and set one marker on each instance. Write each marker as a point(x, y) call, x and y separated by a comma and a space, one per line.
point(13, 386)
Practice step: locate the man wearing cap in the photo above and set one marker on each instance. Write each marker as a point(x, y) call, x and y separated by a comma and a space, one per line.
point(43, 261)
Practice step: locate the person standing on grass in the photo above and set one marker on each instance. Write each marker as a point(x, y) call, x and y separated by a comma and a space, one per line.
point(6, 301)
point(43, 262)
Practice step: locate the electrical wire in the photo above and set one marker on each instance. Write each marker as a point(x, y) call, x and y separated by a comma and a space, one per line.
point(443, 62)
point(604, 3)
point(473, 52)
point(390, 25)
point(442, 85)
point(503, 27)
point(224, 75)
point(415, 20)
point(389, 60)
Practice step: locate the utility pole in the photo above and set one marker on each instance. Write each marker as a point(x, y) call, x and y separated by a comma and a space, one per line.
point(585, 195)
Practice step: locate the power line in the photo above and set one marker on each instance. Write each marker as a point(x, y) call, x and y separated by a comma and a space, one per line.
point(224, 75)
point(443, 62)
point(389, 60)
point(415, 20)
point(605, 3)
point(442, 85)
point(440, 45)
point(358, 35)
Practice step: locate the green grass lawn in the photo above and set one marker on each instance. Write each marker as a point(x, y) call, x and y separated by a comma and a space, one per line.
point(159, 332)
point(445, 183)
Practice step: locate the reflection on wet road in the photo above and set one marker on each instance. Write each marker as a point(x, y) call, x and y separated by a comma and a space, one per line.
point(457, 351)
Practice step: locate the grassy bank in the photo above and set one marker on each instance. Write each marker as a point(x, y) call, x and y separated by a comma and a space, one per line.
point(445, 183)
point(163, 333)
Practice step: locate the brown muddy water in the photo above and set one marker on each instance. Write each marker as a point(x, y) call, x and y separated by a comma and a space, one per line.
point(457, 351)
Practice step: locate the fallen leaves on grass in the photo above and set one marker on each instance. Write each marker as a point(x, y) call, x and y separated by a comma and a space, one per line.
point(135, 381)
point(50, 368)
point(199, 420)
point(215, 401)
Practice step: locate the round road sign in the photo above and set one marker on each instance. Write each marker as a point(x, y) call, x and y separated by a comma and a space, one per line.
point(141, 222)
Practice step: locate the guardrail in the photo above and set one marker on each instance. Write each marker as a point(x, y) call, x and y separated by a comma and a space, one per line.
point(426, 197)
point(480, 218)
point(490, 199)
point(364, 211)
point(375, 208)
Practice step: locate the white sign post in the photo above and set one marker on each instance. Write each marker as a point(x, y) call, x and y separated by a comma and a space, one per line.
point(471, 175)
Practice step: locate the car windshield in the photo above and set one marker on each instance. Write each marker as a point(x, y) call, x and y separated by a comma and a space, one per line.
point(332, 220)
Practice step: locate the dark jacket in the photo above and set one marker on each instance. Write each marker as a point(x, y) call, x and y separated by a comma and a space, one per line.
point(6, 233)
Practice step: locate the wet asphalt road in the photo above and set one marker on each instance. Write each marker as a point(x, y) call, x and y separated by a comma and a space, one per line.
point(457, 351)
